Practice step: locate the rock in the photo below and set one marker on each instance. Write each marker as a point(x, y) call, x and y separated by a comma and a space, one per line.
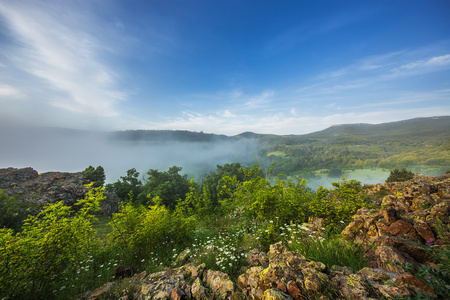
point(198, 291)
point(178, 294)
point(220, 284)
point(50, 187)
point(414, 283)
point(353, 286)
point(423, 230)
point(391, 259)
point(390, 215)
point(275, 294)
point(258, 258)
point(400, 227)
point(294, 290)
point(183, 257)
point(392, 291)
point(374, 275)
point(408, 247)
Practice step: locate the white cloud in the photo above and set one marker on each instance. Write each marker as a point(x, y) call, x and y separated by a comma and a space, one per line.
point(8, 92)
point(433, 64)
point(54, 44)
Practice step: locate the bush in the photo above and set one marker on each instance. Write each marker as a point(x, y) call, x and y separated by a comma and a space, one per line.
point(145, 230)
point(338, 204)
point(33, 261)
point(13, 212)
point(400, 175)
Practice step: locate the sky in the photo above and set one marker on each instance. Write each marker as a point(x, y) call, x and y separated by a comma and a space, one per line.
point(225, 67)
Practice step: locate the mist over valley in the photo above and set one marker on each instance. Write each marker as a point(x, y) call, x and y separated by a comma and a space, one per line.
point(357, 151)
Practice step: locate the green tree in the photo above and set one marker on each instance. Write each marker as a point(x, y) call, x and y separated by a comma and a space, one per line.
point(126, 186)
point(213, 183)
point(397, 175)
point(13, 211)
point(95, 175)
point(169, 186)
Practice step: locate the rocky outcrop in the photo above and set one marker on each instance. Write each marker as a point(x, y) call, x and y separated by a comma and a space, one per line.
point(50, 187)
point(288, 275)
point(186, 282)
point(408, 220)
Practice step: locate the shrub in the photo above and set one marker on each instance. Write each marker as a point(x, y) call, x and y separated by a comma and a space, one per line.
point(142, 230)
point(338, 204)
point(397, 175)
point(32, 261)
point(13, 211)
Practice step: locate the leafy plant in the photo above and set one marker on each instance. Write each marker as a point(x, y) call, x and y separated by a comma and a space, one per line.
point(397, 175)
point(50, 244)
point(13, 211)
point(143, 230)
point(95, 175)
point(338, 204)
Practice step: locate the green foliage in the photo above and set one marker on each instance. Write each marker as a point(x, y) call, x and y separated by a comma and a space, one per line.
point(95, 175)
point(142, 230)
point(13, 211)
point(338, 204)
point(213, 183)
point(257, 199)
point(397, 175)
point(50, 244)
point(331, 250)
point(169, 186)
point(126, 185)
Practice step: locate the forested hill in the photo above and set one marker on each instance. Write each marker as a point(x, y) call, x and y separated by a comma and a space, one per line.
point(166, 136)
point(347, 133)
point(409, 143)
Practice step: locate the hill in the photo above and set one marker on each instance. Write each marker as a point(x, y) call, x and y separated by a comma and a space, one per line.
point(412, 143)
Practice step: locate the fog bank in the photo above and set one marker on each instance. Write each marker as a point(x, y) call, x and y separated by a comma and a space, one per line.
point(50, 149)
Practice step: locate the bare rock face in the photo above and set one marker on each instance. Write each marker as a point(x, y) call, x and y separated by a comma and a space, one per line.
point(50, 187)
point(408, 219)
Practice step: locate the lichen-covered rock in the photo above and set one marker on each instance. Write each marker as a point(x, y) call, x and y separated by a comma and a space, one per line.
point(183, 257)
point(276, 294)
point(414, 283)
point(198, 291)
point(50, 187)
point(354, 286)
point(391, 259)
point(220, 284)
point(258, 258)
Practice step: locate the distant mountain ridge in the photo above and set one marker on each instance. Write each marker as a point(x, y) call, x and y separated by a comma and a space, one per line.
point(410, 126)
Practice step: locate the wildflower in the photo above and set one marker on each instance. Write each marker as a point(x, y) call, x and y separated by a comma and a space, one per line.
point(142, 260)
point(431, 242)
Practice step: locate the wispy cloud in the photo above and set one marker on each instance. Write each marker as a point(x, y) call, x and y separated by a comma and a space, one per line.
point(374, 72)
point(54, 45)
point(8, 92)
point(291, 122)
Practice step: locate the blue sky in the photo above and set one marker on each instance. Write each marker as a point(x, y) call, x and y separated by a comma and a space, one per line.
point(283, 67)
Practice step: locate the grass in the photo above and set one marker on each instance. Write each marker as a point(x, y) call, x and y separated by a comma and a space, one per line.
point(101, 226)
point(330, 250)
